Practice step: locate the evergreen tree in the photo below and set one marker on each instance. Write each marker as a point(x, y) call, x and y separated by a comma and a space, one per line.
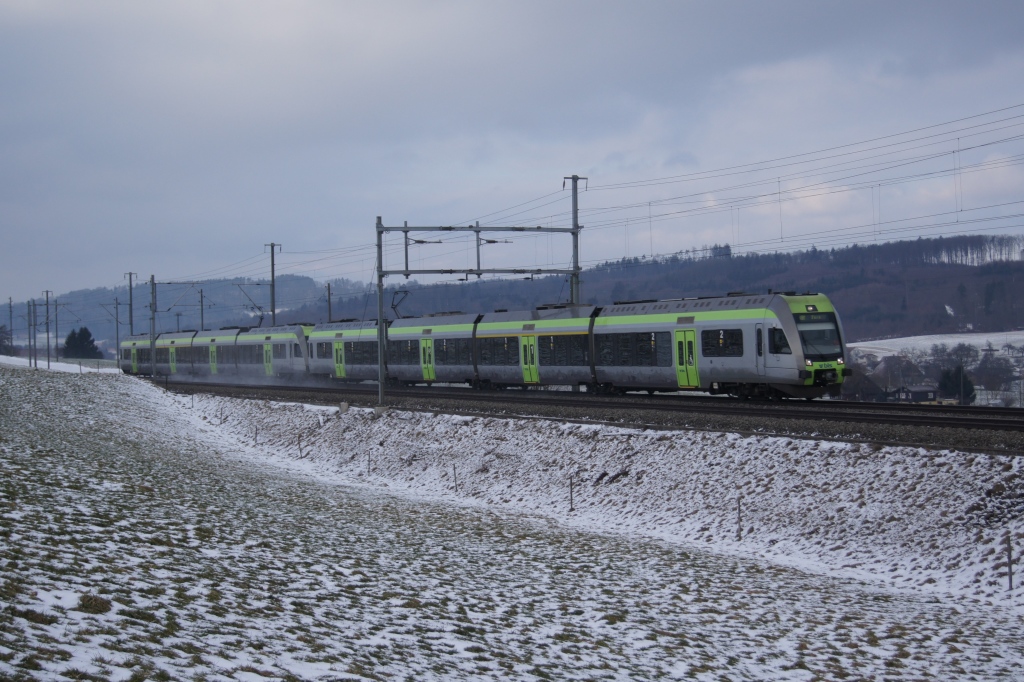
point(80, 345)
point(955, 383)
point(995, 372)
point(6, 342)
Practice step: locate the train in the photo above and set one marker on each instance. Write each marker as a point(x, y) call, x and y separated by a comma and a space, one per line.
point(770, 346)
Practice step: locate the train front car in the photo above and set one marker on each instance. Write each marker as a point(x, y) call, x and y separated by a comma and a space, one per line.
point(804, 352)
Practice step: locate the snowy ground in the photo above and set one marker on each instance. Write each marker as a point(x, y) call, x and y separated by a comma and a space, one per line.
point(140, 537)
point(884, 347)
point(72, 366)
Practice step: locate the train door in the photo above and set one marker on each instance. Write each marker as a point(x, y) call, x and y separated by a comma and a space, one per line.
point(427, 359)
point(531, 375)
point(174, 360)
point(759, 342)
point(135, 361)
point(268, 359)
point(339, 359)
point(686, 358)
point(213, 359)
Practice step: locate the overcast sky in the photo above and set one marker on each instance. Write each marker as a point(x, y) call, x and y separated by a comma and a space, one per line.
point(176, 139)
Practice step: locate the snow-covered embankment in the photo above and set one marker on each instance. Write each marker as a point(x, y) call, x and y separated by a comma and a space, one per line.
point(901, 516)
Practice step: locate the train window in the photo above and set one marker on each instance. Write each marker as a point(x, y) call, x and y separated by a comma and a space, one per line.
point(545, 348)
point(399, 353)
point(296, 350)
point(579, 351)
point(163, 356)
point(777, 342)
point(603, 349)
point(361, 353)
point(453, 352)
point(724, 343)
point(485, 351)
point(499, 351)
point(760, 342)
point(280, 351)
point(662, 349)
point(645, 349)
point(819, 335)
point(563, 351)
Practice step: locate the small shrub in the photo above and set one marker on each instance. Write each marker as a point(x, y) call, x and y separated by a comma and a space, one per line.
point(35, 616)
point(92, 603)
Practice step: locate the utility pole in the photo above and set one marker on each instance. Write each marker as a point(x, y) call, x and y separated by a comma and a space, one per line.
point(47, 293)
point(273, 300)
point(152, 325)
point(56, 330)
point(117, 330)
point(131, 308)
point(381, 327)
point(476, 228)
point(202, 317)
point(328, 302)
point(28, 330)
point(10, 323)
point(574, 278)
point(177, 316)
point(35, 339)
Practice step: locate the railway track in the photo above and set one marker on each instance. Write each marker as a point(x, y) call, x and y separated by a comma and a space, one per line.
point(521, 402)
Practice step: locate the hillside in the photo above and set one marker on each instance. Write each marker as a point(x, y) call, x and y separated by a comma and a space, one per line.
point(931, 286)
point(926, 286)
point(151, 539)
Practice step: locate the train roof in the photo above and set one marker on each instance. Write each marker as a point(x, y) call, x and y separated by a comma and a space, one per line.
point(435, 320)
point(209, 336)
point(541, 313)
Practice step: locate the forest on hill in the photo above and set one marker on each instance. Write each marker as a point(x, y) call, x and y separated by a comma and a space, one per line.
point(925, 286)
point(907, 288)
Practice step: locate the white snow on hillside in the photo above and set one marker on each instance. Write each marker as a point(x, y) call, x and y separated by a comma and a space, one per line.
point(884, 347)
point(70, 366)
point(334, 545)
point(898, 516)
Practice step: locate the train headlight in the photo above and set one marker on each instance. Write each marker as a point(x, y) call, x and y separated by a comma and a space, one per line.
point(808, 363)
point(840, 361)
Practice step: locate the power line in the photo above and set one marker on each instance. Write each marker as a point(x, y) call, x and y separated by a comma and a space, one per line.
point(684, 177)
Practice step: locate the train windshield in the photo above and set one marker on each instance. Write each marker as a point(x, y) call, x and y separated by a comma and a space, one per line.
point(819, 336)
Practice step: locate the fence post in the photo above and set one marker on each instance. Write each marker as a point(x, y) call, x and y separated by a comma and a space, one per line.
point(571, 507)
point(1009, 559)
point(455, 476)
point(739, 518)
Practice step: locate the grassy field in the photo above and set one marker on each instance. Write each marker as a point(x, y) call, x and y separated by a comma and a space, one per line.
point(134, 545)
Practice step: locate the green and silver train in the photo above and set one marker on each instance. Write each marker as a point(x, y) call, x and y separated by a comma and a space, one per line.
point(748, 345)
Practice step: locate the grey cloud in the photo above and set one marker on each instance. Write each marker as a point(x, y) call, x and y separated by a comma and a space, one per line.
point(200, 130)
